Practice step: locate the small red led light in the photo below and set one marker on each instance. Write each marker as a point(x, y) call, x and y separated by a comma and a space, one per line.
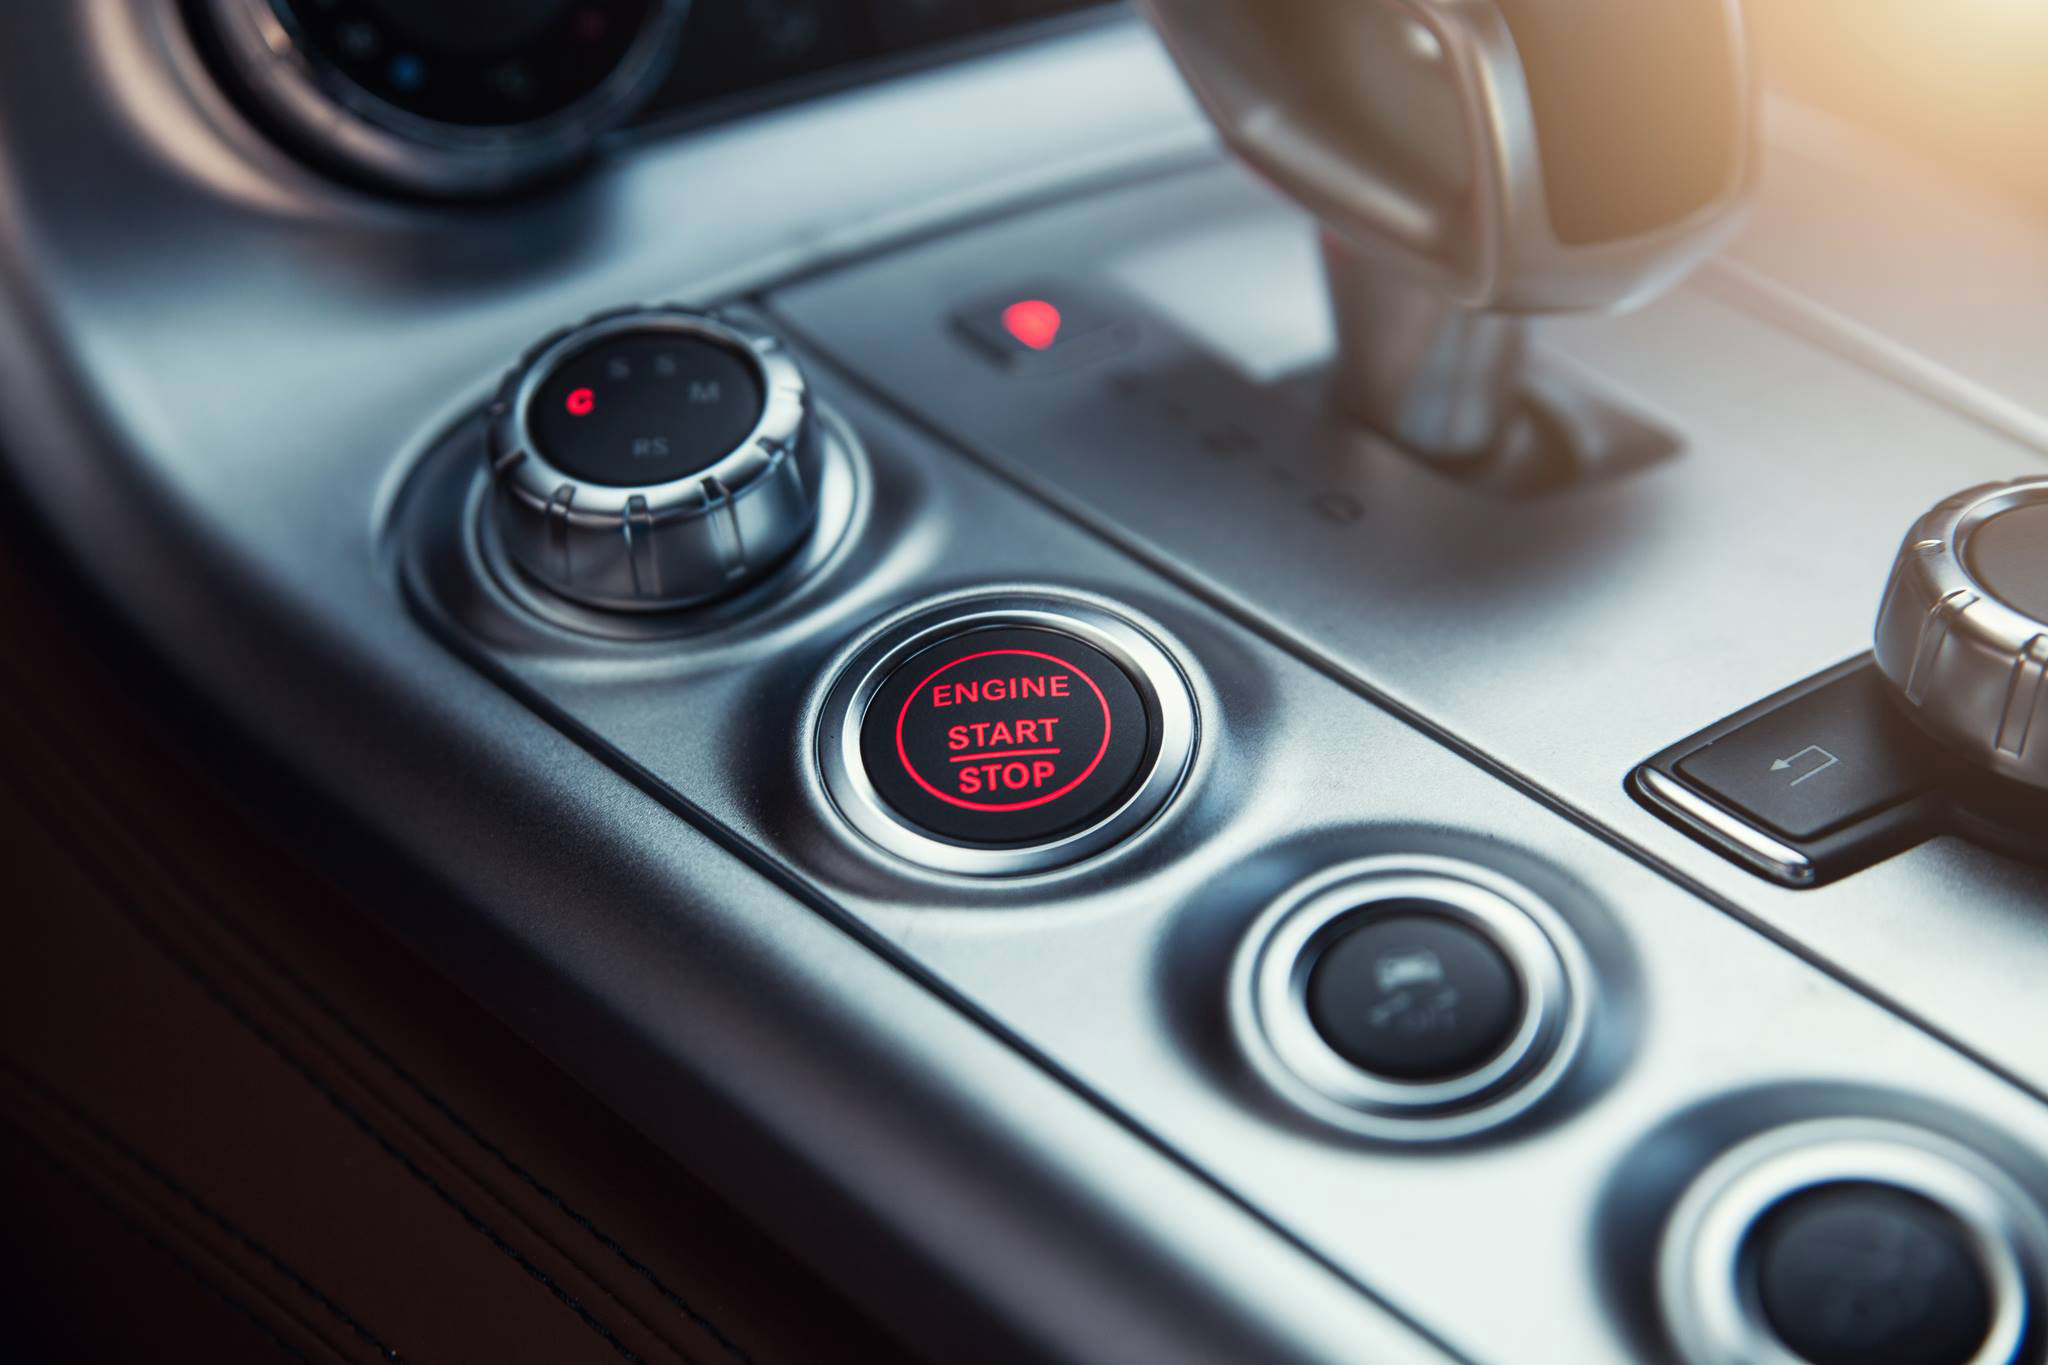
point(580, 402)
point(1034, 322)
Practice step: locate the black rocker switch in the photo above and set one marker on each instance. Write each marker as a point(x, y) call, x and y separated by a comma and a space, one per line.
point(1830, 758)
point(1806, 786)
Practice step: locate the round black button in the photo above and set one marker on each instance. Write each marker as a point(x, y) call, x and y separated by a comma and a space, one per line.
point(1006, 736)
point(644, 408)
point(1869, 1274)
point(1412, 994)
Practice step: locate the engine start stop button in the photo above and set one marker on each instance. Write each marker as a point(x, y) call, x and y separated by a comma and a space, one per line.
point(1004, 736)
point(1006, 733)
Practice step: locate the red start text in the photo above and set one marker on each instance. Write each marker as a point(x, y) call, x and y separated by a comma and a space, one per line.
point(1000, 734)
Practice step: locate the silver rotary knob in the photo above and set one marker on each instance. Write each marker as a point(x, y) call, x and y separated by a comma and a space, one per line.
point(1962, 633)
point(652, 459)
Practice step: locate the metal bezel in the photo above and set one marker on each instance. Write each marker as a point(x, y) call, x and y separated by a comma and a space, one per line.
point(1970, 667)
point(842, 486)
point(1160, 679)
point(1724, 829)
point(400, 148)
point(1708, 1300)
point(1270, 1014)
point(526, 473)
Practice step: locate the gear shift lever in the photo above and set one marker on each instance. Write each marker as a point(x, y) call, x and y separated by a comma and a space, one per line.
point(1473, 161)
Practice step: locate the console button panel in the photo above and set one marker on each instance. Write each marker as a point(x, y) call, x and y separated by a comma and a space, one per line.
point(1113, 952)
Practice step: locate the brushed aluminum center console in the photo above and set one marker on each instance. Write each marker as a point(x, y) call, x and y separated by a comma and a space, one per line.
point(1152, 858)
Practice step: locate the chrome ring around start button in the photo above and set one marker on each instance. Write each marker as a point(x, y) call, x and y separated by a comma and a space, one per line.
point(1054, 772)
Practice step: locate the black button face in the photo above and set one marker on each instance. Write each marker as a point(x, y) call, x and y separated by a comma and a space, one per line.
point(1043, 327)
point(2009, 555)
point(1006, 736)
point(1869, 1274)
point(1838, 754)
point(1414, 995)
point(645, 407)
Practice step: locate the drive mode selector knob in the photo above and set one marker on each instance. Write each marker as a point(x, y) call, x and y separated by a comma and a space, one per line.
point(653, 459)
point(1962, 633)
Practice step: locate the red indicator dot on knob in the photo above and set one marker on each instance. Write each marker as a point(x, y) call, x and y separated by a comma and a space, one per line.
point(1034, 322)
point(580, 402)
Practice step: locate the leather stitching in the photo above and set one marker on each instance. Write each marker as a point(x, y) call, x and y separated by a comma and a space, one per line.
point(198, 897)
point(178, 1258)
point(256, 1029)
point(64, 1103)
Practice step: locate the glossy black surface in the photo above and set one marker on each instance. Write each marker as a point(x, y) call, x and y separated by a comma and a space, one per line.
point(644, 408)
point(472, 63)
point(1835, 755)
point(1004, 737)
point(1415, 996)
point(1864, 1274)
point(737, 47)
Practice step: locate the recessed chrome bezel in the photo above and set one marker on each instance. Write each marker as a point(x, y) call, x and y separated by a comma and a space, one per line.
point(1159, 677)
point(1269, 1009)
point(327, 109)
point(1709, 1301)
point(840, 492)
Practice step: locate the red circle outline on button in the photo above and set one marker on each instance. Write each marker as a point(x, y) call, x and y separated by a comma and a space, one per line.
point(903, 756)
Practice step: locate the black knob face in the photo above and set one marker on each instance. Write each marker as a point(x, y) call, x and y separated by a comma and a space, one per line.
point(1865, 1274)
point(1415, 995)
point(638, 408)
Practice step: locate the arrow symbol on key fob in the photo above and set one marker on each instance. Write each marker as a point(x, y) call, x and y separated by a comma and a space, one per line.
point(1781, 764)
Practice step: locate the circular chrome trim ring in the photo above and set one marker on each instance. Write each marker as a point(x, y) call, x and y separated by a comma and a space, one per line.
point(1708, 1300)
point(1269, 1010)
point(843, 485)
point(1972, 669)
point(335, 115)
point(702, 535)
point(1161, 683)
